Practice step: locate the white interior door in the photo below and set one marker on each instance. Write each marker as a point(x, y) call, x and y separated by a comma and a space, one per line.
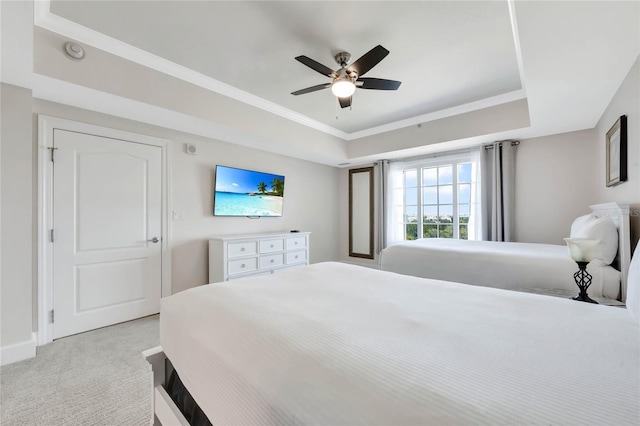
point(107, 196)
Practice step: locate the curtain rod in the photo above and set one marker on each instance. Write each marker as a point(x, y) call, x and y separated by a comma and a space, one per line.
point(453, 152)
point(513, 143)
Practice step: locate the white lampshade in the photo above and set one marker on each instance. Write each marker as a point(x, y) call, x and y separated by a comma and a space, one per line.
point(343, 88)
point(582, 249)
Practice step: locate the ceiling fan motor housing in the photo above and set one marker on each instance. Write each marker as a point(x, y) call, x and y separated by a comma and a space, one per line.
point(343, 58)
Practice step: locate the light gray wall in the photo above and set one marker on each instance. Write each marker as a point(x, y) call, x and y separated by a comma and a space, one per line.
point(16, 42)
point(500, 118)
point(310, 202)
point(625, 102)
point(17, 212)
point(555, 183)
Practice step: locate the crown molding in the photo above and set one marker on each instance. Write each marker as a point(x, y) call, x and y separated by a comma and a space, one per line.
point(516, 41)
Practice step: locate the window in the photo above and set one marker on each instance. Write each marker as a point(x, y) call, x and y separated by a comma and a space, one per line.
point(437, 198)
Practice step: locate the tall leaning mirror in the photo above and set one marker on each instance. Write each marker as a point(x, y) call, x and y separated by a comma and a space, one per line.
point(361, 212)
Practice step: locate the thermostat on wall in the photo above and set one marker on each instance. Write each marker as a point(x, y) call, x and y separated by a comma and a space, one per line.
point(191, 149)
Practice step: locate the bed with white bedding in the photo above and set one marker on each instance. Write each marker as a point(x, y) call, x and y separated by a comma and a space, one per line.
point(336, 344)
point(511, 266)
point(520, 266)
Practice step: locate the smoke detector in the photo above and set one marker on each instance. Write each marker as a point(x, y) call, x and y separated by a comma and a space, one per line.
point(74, 50)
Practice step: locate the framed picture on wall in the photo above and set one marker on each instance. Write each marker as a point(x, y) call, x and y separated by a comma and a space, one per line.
point(617, 152)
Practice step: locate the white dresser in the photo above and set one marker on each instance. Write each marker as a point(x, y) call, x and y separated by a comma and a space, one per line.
point(237, 256)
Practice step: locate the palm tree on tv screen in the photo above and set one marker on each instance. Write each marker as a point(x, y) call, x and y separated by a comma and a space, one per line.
point(262, 187)
point(277, 185)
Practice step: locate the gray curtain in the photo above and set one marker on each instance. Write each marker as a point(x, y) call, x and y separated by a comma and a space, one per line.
point(383, 203)
point(498, 162)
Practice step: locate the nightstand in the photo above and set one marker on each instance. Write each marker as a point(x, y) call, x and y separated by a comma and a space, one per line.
point(569, 294)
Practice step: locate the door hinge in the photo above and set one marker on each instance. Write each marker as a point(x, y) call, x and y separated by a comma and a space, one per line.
point(51, 236)
point(52, 149)
point(51, 316)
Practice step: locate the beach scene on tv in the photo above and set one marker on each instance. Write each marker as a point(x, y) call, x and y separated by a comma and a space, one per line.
point(242, 192)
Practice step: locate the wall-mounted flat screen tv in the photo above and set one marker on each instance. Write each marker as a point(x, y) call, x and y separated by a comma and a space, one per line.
point(240, 192)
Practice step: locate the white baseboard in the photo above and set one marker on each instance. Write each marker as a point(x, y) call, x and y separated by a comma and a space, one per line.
point(18, 351)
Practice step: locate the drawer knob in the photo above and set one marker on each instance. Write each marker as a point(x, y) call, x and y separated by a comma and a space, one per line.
point(271, 245)
point(295, 244)
point(242, 249)
point(242, 266)
point(296, 256)
point(272, 260)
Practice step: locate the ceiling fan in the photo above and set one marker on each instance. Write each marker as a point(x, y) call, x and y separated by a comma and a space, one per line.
point(347, 79)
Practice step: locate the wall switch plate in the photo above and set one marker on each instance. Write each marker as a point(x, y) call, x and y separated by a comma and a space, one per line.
point(178, 215)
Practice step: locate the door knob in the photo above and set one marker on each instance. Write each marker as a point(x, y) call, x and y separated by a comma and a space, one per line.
point(154, 240)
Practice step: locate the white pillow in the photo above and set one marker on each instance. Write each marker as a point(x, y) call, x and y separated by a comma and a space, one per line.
point(578, 223)
point(633, 286)
point(602, 229)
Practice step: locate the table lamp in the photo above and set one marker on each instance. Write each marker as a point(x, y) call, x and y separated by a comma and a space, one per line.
point(582, 251)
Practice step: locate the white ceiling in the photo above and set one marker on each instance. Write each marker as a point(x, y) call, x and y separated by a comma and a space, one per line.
point(567, 58)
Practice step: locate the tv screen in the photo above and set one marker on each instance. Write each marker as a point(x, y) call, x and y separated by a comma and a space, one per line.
point(242, 192)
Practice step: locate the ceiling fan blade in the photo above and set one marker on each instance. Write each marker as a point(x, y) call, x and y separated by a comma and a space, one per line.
point(369, 60)
point(311, 89)
point(378, 84)
point(345, 102)
point(316, 66)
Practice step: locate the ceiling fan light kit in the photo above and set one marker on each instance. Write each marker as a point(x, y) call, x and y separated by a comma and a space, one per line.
point(343, 88)
point(347, 79)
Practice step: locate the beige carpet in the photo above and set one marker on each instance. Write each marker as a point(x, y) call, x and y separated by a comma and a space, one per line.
point(94, 378)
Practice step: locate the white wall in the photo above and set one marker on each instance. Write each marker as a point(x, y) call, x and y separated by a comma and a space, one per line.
point(17, 223)
point(625, 102)
point(555, 183)
point(17, 276)
point(310, 202)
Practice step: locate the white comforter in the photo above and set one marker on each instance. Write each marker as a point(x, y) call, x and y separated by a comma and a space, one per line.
point(335, 344)
point(514, 266)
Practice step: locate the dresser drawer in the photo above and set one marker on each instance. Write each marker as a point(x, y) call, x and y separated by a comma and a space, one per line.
point(269, 246)
point(243, 248)
point(296, 243)
point(270, 261)
point(296, 256)
point(240, 266)
point(243, 276)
